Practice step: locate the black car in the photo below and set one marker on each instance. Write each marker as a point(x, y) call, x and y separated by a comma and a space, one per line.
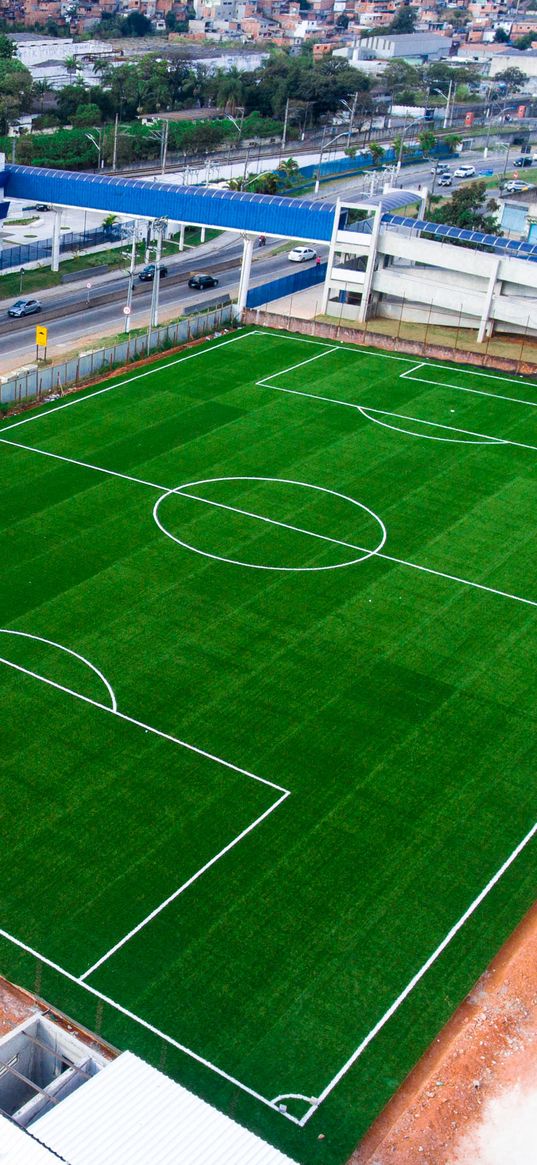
point(523, 161)
point(202, 282)
point(147, 274)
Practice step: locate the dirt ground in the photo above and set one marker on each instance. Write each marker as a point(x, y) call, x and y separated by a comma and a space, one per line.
point(472, 1099)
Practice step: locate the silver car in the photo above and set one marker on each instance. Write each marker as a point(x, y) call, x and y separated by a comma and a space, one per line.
point(24, 307)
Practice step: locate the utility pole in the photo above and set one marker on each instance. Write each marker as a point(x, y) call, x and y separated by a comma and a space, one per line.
point(160, 225)
point(353, 114)
point(131, 276)
point(446, 115)
point(285, 120)
point(164, 147)
point(114, 151)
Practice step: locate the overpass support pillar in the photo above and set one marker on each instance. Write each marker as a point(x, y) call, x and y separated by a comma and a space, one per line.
point(182, 237)
point(55, 265)
point(247, 253)
point(488, 303)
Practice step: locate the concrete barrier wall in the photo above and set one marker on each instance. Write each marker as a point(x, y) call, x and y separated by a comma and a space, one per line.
point(369, 339)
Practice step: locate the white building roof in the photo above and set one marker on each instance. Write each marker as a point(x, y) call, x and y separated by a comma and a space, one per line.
point(131, 1114)
point(19, 1148)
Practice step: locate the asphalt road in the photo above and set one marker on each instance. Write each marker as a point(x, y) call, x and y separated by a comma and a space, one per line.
point(78, 318)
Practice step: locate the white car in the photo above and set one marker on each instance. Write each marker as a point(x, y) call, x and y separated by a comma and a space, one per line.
point(301, 254)
point(465, 172)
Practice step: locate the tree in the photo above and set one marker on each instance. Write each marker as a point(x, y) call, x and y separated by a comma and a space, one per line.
point(87, 115)
point(399, 76)
point(287, 173)
point(15, 91)
point(7, 47)
point(468, 207)
point(513, 79)
point(377, 153)
point(427, 140)
point(40, 90)
point(501, 36)
point(404, 21)
point(136, 24)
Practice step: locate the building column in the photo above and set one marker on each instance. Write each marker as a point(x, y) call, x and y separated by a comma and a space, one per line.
point(246, 266)
point(202, 236)
point(330, 261)
point(370, 268)
point(488, 303)
point(182, 237)
point(55, 266)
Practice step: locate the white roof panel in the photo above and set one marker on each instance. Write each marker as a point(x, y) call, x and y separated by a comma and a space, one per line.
point(131, 1114)
point(19, 1148)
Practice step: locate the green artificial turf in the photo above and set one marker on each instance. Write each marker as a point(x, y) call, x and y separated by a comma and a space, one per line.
point(387, 695)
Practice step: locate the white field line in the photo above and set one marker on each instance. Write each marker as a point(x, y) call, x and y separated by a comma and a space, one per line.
point(181, 889)
point(310, 360)
point(475, 391)
point(262, 518)
point(67, 651)
point(365, 351)
point(145, 1024)
point(420, 974)
point(357, 351)
point(81, 464)
point(364, 550)
point(472, 372)
point(312, 395)
point(484, 438)
point(79, 399)
point(147, 727)
point(416, 368)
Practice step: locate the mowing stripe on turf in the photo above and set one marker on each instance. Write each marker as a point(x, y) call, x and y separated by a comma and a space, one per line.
point(78, 399)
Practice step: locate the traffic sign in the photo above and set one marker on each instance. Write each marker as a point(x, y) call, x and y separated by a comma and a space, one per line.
point(41, 336)
point(88, 285)
point(126, 310)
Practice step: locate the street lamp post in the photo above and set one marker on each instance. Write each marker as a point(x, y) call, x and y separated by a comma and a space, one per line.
point(324, 147)
point(447, 101)
point(130, 287)
point(97, 142)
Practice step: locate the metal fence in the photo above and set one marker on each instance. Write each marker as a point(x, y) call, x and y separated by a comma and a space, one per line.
point(46, 381)
point(286, 285)
point(17, 256)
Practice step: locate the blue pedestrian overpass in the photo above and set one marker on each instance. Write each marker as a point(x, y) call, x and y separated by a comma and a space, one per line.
point(294, 218)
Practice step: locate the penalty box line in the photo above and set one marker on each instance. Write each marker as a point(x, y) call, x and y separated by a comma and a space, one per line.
point(145, 1024)
point(394, 1007)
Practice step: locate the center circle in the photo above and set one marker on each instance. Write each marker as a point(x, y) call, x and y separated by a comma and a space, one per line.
point(297, 528)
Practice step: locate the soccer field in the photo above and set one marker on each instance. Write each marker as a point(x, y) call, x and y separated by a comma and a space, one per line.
point(267, 703)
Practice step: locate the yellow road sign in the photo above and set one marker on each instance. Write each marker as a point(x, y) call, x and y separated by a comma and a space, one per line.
point(41, 337)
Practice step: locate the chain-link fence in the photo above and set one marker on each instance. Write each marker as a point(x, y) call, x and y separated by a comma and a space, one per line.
point(40, 382)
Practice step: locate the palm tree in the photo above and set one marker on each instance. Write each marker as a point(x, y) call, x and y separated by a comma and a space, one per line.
point(40, 90)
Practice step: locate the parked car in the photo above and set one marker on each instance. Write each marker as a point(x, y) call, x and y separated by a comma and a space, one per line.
point(464, 172)
point(301, 255)
point(202, 282)
point(445, 180)
point(147, 274)
point(24, 307)
point(524, 160)
point(42, 206)
point(440, 168)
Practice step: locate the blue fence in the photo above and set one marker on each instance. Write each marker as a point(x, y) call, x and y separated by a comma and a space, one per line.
point(286, 285)
point(341, 167)
point(18, 255)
